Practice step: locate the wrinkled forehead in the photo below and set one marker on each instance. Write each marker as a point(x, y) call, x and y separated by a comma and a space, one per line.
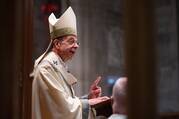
point(70, 37)
point(62, 38)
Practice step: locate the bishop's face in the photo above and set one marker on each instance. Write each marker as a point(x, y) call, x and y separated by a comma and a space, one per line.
point(67, 47)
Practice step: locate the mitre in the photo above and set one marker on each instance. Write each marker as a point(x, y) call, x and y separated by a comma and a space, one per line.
point(65, 25)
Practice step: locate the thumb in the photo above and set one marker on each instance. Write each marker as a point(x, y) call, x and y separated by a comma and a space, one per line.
point(96, 82)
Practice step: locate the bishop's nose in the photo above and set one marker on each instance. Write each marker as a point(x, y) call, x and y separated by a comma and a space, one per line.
point(76, 44)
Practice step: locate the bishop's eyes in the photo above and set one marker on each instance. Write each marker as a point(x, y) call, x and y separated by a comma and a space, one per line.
point(72, 42)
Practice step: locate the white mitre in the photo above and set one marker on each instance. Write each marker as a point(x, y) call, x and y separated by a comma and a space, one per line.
point(65, 25)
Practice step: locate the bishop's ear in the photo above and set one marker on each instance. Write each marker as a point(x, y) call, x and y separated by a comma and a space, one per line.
point(56, 43)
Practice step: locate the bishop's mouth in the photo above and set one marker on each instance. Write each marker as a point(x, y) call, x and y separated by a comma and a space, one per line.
point(72, 51)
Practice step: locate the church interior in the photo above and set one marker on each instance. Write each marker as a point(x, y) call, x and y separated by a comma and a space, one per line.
point(137, 39)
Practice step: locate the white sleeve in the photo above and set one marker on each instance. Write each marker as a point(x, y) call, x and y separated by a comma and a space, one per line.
point(51, 99)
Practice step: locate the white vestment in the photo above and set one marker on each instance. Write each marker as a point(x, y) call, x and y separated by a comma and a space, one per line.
point(52, 94)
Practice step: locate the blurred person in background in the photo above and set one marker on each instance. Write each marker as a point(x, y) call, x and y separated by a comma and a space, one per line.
point(119, 96)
